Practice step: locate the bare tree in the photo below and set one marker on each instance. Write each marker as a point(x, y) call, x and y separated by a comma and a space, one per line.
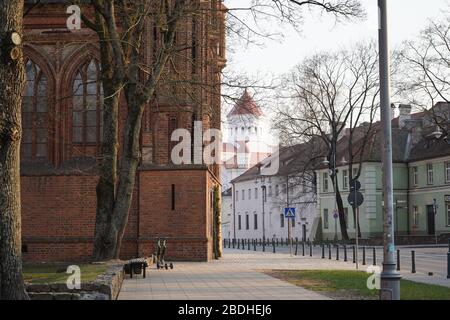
point(330, 96)
point(11, 85)
point(121, 26)
point(424, 79)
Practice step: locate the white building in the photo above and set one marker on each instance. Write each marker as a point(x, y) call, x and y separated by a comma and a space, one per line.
point(246, 139)
point(291, 187)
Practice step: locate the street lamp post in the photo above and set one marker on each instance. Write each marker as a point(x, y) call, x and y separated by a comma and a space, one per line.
point(263, 188)
point(435, 208)
point(390, 278)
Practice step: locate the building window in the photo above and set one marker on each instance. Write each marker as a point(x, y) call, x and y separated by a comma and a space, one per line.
point(415, 176)
point(240, 222)
point(35, 114)
point(447, 172)
point(325, 182)
point(430, 177)
point(416, 222)
point(237, 196)
point(256, 193)
point(249, 194)
point(448, 214)
point(256, 221)
point(247, 222)
point(282, 220)
point(345, 179)
point(87, 105)
point(326, 221)
point(243, 195)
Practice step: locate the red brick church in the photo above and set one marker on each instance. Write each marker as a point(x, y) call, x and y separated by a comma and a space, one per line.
point(61, 135)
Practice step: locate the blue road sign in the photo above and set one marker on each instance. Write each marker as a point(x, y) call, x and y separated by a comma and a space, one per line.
point(289, 213)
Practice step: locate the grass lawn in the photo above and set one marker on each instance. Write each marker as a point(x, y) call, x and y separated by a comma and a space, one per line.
point(345, 285)
point(51, 273)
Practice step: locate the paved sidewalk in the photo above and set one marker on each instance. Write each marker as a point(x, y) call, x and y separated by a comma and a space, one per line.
point(238, 276)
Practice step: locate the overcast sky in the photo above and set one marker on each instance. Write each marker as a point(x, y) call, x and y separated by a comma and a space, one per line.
point(407, 18)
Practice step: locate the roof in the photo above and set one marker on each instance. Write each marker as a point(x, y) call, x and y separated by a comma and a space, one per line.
point(410, 144)
point(292, 160)
point(246, 106)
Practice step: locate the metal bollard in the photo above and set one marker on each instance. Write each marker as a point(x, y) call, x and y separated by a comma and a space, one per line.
point(337, 252)
point(274, 250)
point(345, 253)
point(282, 242)
point(310, 250)
point(364, 256)
point(296, 246)
point(448, 260)
point(264, 245)
point(329, 251)
point(238, 243)
point(243, 244)
point(303, 248)
point(354, 254)
point(374, 256)
point(323, 251)
point(254, 244)
point(398, 260)
point(248, 243)
point(413, 262)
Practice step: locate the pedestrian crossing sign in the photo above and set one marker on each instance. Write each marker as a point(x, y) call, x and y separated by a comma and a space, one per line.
point(289, 213)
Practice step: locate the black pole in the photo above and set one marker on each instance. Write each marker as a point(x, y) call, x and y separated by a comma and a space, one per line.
point(303, 248)
point(310, 250)
point(323, 251)
point(345, 253)
point(364, 256)
point(448, 260)
point(337, 252)
point(296, 246)
point(273, 246)
point(248, 244)
point(398, 260)
point(264, 245)
point(374, 256)
point(329, 251)
point(354, 254)
point(239, 243)
point(413, 262)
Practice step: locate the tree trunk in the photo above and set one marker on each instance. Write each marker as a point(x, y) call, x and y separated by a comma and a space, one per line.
point(342, 223)
point(11, 86)
point(104, 245)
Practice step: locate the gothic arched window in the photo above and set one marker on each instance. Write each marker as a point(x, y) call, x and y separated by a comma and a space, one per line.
point(35, 114)
point(87, 105)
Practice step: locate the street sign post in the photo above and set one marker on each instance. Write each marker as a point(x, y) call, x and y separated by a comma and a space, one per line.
point(356, 200)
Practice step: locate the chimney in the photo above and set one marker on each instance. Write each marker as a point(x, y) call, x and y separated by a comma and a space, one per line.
point(392, 111)
point(405, 115)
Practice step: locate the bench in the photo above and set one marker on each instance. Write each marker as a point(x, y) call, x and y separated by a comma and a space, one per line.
point(136, 266)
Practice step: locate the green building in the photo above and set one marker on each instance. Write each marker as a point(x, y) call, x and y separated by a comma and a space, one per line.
point(421, 156)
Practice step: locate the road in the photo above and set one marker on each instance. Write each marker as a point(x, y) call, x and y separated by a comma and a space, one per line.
point(428, 259)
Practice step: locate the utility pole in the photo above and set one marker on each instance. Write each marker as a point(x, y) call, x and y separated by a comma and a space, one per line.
point(289, 220)
point(263, 190)
point(390, 278)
